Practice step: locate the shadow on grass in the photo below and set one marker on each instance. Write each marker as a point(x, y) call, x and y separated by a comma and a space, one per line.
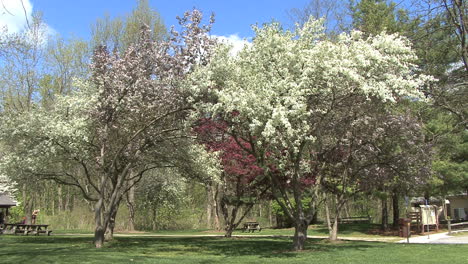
point(232, 247)
point(58, 247)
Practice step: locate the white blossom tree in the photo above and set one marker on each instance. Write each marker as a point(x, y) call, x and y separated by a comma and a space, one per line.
point(280, 93)
point(7, 185)
point(127, 120)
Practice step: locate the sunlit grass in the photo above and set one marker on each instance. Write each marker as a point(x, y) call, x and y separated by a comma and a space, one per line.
point(345, 230)
point(79, 249)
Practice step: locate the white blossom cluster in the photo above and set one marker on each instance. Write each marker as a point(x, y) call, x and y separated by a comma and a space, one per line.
point(41, 137)
point(206, 164)
point(7, 185)
point(285, 79)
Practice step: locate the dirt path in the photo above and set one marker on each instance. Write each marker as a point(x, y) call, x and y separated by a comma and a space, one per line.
point(440, 238)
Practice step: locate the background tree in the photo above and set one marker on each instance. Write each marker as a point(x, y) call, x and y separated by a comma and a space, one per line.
point(160, 191)
point(334, 14)
point(121, 32)
point(435, 43)
point(21, 68)
point(121, 124)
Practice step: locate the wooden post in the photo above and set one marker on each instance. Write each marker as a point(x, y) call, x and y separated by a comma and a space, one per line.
point(408, 232)
point(449, 226)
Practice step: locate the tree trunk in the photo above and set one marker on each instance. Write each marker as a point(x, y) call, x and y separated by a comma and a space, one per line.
point(396, 208)
point(230, 226)
point(327, 215)
point(153, 218)
point(109, 234)
point(333, 225)
point(346, 209)
point(28, 204)
point(333, 232)
point(100, 224)
point(300, 235)
point(131, 208)
point(60, 199)
point(67, 206)
point(314, 217)
point(228, 231)
point(209, 206)
point(52, 200)
point(99, 237)
point(215, 192)
point(270, 213)
point(384, 224)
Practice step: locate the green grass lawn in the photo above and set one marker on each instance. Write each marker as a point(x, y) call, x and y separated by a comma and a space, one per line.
point(461, 234)
point(347, 230)
point(79, 249)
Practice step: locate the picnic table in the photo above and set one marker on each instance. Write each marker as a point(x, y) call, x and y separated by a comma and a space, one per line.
point(251, 226)
point(25, 229)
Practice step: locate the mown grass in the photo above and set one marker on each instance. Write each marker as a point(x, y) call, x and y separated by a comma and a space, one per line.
point(345, 230)
point(357, 229)
point(79, 249)
point(360, 231)
point(460, 234)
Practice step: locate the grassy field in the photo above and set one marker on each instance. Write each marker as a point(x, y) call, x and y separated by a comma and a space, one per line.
point(460, 234)
point(79, 249)
point(348, 230)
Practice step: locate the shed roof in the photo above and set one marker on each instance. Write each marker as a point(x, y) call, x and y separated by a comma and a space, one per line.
point(460, 195)
point(6, 201)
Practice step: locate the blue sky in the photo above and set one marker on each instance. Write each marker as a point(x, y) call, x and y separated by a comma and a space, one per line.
point(74, 17)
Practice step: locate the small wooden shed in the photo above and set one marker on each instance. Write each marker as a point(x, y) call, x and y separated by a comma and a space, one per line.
point(458, 207)
point(6, 202)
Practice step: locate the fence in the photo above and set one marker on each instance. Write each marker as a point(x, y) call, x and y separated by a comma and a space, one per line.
point(451, 226)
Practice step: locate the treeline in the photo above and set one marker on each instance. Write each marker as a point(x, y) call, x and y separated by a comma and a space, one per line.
point(141, 128)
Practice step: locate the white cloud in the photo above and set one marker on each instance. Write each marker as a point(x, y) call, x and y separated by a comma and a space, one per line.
point(13, 15)
point(235, 41)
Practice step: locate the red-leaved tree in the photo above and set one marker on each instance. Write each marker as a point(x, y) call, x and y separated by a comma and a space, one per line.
point(242, 183)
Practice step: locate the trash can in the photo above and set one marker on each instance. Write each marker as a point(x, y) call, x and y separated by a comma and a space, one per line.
point(405, 227)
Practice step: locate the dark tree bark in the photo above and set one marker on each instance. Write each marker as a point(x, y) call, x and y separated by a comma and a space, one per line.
point(131, 208)
point(300, 234)
point(384, 224)
point(109, 235)
point(100, 224)
point(396, 208)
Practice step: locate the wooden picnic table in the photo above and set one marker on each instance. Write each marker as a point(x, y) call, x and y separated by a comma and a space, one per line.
point(26, 229)
point(251, 226)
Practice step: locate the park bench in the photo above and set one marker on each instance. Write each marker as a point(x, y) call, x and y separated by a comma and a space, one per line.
point(251, 226)
point(354, 219)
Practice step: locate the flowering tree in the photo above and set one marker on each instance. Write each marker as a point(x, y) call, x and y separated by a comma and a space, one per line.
point(287, 87)
point(374, 149)
point(7, 185)
point(160, 191)
point(241, 183)
point(127, 120)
